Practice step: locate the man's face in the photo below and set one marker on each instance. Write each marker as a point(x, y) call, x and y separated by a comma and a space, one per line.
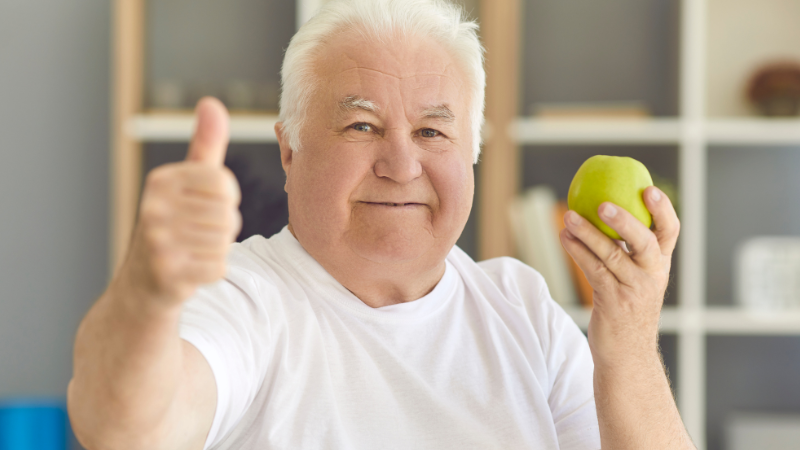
point(385, 172)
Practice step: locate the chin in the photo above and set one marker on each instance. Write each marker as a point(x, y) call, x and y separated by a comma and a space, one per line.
point(395, 245)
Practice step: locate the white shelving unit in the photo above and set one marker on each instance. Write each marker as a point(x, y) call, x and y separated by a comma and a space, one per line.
point(692, 132)
point(169, 127)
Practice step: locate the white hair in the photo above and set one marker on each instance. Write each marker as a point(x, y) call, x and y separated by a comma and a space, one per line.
point(380, 20)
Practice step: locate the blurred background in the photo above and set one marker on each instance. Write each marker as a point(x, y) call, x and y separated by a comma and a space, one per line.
point(706, 93)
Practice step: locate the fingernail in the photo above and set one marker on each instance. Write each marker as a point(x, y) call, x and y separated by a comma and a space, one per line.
point(568, 235)
point(655, 195)
point(575, 218)
point(609, 211)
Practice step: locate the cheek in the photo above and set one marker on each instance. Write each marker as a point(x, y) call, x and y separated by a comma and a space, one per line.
point(321, 190)
point(455, 187)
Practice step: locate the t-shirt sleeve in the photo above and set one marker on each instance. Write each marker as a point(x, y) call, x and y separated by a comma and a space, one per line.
point(225, 322)
point(571, 369)
point(568, 360)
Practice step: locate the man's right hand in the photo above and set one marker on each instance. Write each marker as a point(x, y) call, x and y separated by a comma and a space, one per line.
point(136, 383)
point(188, 216)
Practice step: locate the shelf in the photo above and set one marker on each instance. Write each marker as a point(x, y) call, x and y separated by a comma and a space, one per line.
point(596, 131)
point(749, 131)
point(753, 131)
point(717, 320)
point(733, 321)
point(178, 127)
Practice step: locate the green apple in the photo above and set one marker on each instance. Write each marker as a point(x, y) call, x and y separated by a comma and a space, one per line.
point(616, 179)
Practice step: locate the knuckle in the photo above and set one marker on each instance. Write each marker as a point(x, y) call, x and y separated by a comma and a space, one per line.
point(597, 267)
point(156, 240)
point(166, 269)
point(652, 243)
point(230, 186)
point(152, 211)
point(677, 228)
point(231, 219)
point(160, 177)
point(616, 256)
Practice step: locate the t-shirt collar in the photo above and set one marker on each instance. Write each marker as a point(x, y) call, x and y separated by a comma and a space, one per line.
point(316, 277)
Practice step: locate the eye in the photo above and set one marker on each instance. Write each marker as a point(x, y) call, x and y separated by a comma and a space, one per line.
point(429, 133)
point(363, 127)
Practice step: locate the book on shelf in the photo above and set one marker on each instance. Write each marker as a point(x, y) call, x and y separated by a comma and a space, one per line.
point(590, 111)
point(582, 286)
point(536, 218)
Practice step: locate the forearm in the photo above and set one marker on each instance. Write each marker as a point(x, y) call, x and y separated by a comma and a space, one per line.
point(127, 367)
point(635, 407)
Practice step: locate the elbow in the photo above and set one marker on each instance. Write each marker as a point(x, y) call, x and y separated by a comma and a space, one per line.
point(96, 429)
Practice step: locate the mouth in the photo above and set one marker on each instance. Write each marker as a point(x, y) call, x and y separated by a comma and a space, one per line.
point(393, 204)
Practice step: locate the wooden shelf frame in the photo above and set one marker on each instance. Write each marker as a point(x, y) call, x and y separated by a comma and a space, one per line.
point(131, 127)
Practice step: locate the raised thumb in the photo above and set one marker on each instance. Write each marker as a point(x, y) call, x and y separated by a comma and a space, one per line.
point(210, 139)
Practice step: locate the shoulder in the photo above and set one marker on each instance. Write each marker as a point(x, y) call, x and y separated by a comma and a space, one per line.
point(256, 261)
point(523, 286)
point(510, 280)
point(517, 281)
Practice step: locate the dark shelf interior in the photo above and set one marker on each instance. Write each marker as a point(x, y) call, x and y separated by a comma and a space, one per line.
point(610, 51)
point(751, 192)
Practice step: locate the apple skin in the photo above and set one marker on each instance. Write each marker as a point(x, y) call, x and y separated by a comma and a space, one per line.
point(617, 179)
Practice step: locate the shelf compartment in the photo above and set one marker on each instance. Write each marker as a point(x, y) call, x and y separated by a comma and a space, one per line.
point(178, 127)
point(597, 131)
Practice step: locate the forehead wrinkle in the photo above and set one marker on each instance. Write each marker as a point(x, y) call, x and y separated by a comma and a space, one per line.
point(401, 77)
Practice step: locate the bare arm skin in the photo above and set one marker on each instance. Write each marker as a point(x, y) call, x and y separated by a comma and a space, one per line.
point(635, 407)
point(136, 384)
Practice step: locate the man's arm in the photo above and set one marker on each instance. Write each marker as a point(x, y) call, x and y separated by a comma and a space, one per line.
point(635, 407)
point(136, 384)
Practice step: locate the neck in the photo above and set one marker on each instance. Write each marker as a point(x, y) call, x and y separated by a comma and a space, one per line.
point(384, 292)
point(380, 285)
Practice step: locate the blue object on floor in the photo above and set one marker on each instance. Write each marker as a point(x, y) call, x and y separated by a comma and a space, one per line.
point(33, 425)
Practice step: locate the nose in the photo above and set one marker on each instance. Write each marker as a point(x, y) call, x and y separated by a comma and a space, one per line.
point(398, 159)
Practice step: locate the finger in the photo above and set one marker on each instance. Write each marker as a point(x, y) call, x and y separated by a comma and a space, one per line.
point(208, 182)
point(204, 213)
point(596, 272)
point(666, 225)
point(203, 240)
point(211, 135)
point(641, 242)
point(200, 271)
point(602, 246)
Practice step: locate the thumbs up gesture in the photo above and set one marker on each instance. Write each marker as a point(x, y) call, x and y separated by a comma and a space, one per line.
point(188, 216)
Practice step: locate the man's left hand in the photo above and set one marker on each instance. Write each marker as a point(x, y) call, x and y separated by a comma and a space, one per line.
point(629, 279)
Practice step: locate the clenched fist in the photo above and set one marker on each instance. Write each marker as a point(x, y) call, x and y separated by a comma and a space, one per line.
point(188, 216)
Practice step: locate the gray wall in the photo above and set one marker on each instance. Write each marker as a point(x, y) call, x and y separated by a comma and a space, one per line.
point(54, 83)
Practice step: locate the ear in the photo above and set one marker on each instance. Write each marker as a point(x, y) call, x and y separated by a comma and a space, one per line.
point(286, 152)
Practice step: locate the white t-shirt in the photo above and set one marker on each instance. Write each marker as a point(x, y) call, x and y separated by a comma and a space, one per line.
point(487, 360)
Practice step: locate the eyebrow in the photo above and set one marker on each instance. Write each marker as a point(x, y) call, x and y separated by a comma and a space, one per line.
point(354, 102)
point(439, 112)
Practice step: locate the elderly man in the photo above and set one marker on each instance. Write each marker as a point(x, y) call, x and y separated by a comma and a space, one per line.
point(361, 325)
